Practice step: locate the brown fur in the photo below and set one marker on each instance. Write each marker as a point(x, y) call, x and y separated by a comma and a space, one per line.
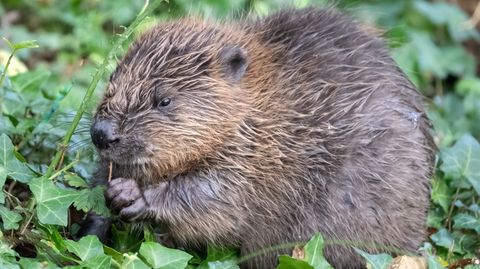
point(322, 133)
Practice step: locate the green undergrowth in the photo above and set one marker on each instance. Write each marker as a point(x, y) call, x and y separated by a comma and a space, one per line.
point(48, 88)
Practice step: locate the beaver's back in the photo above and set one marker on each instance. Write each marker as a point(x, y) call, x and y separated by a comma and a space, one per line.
point(357, 125)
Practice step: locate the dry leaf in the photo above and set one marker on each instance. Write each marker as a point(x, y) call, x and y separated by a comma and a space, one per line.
point(407, 262)
point(298, 253)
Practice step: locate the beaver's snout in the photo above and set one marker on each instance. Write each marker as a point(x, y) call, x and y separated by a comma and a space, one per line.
point(103, 134)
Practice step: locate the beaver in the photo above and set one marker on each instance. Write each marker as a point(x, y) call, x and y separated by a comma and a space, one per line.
point(265, 131)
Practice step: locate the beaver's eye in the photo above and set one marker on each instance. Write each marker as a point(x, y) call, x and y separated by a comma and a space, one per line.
point(165, 102)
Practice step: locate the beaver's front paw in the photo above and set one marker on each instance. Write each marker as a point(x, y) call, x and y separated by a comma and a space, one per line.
point(127, 200)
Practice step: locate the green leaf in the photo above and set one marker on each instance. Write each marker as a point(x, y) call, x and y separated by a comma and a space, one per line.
point(435, 218)
point(10, 165)
point(376, 261)
point(314, 253)
point(74, 180)
point(442, 13)
point(444, 239)
point(463, 160)
point(86, 248)
point(92, 199)
point(117, 256)
point(222, 265)
point(27, 44)
point(125, 239)
point(468, 85)
point(10, 218)
point(30, 83)
point(8, 258)
point(465, 221)
point(433, 262)
point(441, 193)
point(457, 61)
point(98, 262)
point(218, 257)
point(131, 261)
point(3, 178)
point(27, 263)
point(52, 202)
point(53, 235)
point(160, 257)
point(427, 53)
point(287, 262)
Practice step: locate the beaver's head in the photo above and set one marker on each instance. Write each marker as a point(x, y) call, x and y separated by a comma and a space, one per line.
point(174, 98)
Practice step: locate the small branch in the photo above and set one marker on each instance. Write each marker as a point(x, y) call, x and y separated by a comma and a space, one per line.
point(450, 211)
point(464, 262)
point(110, 171)
point(31, 205)
point(475, 19)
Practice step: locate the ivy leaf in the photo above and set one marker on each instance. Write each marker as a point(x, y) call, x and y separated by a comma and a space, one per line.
point(462, 161)
point(468, 85)
point(441, 193)
point(160, 257)
point(27, 263)
point(131, 261)
point(465, 221)
point(10, 165)
point(10, 218)
point(428, 54)
point(219, 258)
point(442, 13)
point(52, 202)
point(287, 262)
point(92, 199)
point(445, 239)
point(113, 253)
point(98, 262)
point(376, 261)
point(8, 258)
point(75, 181)
point(314, 253)
point(86, 248)
point(3, 178)
point(223, 265)
point(54, 236)
point(434, 263)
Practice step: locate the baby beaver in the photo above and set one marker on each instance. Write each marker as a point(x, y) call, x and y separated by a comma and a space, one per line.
point(262, 132)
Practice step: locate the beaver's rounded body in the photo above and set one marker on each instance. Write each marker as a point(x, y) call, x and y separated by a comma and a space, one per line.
point(255, 134)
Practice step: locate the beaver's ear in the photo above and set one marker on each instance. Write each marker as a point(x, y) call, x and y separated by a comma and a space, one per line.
point(234, 61)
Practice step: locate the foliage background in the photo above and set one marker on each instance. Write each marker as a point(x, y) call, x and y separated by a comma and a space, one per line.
point(435, 42)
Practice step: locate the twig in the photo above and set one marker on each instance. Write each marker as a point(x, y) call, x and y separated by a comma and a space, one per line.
point(31, 205)
point(450, 211)
point(474, 19)
point(110, 168)
point(464, 262)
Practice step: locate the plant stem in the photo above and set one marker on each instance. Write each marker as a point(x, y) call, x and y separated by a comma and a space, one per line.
point(31, 206)
point(4, 73)
point(147, 9)
point(68, 166)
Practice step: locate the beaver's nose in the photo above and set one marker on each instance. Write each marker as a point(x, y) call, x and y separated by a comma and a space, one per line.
point(103, 134)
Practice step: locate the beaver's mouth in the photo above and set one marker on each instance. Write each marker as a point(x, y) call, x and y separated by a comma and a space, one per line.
point(126, 157)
